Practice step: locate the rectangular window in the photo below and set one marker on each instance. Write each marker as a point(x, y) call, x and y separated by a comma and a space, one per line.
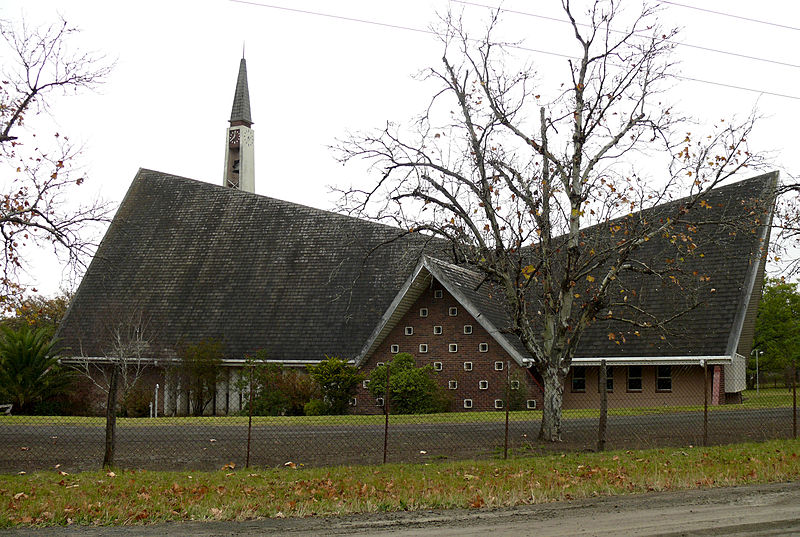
point(664, 378)
point(423, 348)
point(437, 366)
point(467, 329)
point(498, 403)
point(365, 383)
point(530, 404)
point(514, 385)
point(483, 347)
point(498, 366)
point(579, 379)
point(609, 379)
point(634, 378)
point(467, 403)
point(409, 330)
point(453, 347)
point(452, 312)
point(379, 401)
point(483, 384)
point(353, 401)
point(467, 366)
point(437, 330)
point(438, 293)
point(394, 349)
point(423, 312)
point(452, 384)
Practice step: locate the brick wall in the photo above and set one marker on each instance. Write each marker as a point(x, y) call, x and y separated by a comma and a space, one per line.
point(438, 303)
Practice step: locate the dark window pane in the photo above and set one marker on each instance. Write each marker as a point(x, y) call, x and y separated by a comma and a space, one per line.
point(578, 379)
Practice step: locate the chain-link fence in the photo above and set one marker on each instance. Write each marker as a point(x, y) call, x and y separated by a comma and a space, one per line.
point(604, 408)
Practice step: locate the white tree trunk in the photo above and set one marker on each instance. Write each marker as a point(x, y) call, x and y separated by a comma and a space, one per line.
point(551, 407)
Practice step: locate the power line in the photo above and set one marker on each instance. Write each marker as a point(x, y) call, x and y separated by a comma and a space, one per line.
point(527, 49)
point(688, 45)
point(749, 19)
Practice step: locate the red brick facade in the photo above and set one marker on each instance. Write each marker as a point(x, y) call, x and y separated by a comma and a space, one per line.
point(488, 361)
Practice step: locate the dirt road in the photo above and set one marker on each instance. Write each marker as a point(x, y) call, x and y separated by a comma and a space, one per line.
point(762, 510)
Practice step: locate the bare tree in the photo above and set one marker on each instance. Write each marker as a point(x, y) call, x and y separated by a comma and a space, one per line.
point(40, 176)
point(127, 356)
point(512, 180)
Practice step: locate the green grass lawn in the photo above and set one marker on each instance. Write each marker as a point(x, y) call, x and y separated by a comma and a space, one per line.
point(140, 497)
point(766, 398)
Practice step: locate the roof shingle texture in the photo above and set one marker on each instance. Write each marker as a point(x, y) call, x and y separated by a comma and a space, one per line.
point(240, 111)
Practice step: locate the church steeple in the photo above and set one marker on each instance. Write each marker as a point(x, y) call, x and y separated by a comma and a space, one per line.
point(239, 149)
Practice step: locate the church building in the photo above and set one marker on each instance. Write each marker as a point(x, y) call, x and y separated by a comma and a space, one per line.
point(184, 261)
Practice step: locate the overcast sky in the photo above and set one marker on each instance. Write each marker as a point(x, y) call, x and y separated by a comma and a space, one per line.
point(312, 78)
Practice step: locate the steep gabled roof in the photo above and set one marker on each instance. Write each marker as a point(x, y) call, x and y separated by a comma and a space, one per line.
point(185, 260)
point(192, 260)
point(707, 289)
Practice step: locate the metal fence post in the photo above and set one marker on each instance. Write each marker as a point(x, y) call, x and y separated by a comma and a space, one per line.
point(794, 398)
point(705, 403)
point(249, 418)
point(601, 426)
point(508, 404)
point(386, 398)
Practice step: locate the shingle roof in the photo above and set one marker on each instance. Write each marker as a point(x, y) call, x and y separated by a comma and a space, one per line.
point(190, 260)
point(710, 286)
point(240, 112)
point(195, 260)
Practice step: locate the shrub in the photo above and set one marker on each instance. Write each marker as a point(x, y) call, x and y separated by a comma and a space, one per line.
point(277, 391)
point(316, 407)
point(413, 390)
point(337, 381)
point(29, 371)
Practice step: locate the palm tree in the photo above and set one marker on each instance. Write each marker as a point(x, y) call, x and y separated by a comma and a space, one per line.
point(29, 369)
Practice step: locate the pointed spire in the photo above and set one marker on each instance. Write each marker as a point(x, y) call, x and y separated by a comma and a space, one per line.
point(240, 113)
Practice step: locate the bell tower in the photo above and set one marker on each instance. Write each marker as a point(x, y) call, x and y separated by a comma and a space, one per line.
point(239, 149)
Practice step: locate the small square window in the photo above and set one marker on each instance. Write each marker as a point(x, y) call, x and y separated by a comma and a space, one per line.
point(379, 401)
point(423, 312)
point(437, 330)
point(353, 401)
point(437, 366)
point(498, 366)
point(409, 330)
point(483, 347)
point(498, 403)
point(515, 385)
point(467, 366)
point(423, 348)
point(378, 364)
point(394, 349)
point(452, 312)
point(467, 403)
point(483, 384)
point(453, 347)
point(467, 329)
point(438, 293)
point(452, 384)
point(365, 383)
point(530, 404)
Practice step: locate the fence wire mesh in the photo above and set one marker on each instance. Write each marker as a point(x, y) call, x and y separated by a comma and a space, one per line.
point(645, 409)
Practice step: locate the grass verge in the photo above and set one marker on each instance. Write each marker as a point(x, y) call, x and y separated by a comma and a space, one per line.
point(140, 497)
point(767, 398)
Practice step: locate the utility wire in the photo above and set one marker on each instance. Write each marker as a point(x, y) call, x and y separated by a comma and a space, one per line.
point(518, 47)
point(642, 34)
point(730, 15)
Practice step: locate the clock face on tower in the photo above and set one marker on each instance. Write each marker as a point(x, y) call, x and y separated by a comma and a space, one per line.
point(233, 138)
